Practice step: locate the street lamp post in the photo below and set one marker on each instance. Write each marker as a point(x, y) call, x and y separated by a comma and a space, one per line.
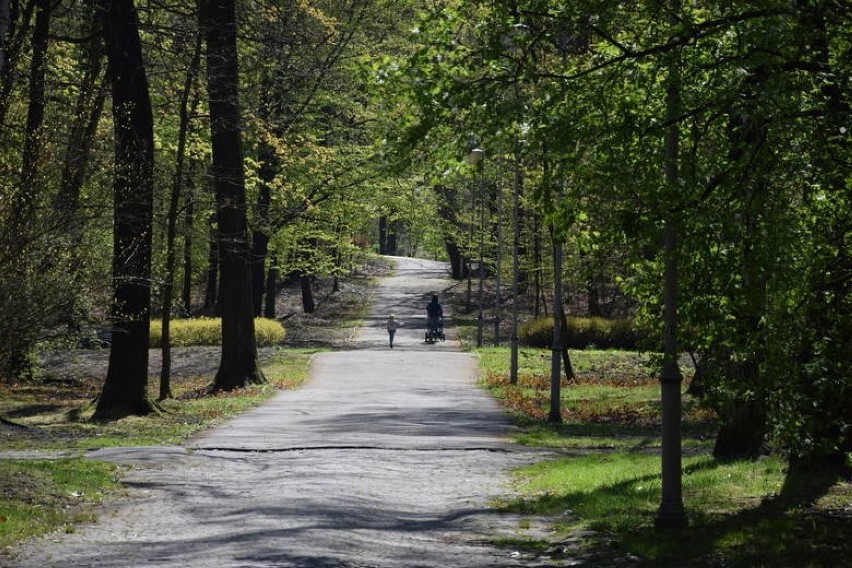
point(476, 157)
point(498, 308)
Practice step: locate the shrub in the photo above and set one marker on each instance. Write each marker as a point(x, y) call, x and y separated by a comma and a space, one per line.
point(582, 333)
point(208, 331)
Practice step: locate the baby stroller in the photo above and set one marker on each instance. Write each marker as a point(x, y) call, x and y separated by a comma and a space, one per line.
point(435, 329)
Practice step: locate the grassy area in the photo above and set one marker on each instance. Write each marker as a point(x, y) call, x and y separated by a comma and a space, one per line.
point(57, 415)
point(613, 402)
point(741, 513)
point(41, 496)
point(53, 413)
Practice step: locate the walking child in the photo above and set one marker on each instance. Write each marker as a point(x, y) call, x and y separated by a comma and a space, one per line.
point(393, 325)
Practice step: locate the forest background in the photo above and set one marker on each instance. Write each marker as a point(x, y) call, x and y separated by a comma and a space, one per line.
point(690, 161)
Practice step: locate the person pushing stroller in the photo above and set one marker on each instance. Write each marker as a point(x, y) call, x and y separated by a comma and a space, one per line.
point(434, 315)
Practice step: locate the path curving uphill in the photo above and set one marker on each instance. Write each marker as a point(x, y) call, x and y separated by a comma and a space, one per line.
point(385, 458)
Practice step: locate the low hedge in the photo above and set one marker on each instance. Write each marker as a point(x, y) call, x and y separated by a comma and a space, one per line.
point(583, 333)
point(208, 331)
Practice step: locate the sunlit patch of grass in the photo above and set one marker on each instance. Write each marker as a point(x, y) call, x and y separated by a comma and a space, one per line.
point(520, 543)
point(615, 392)
point(741, 513)
point(41, 496)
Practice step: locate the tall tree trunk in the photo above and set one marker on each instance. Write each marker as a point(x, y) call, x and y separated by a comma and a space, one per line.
point(125, 387)
point(211, 292)
point(29, 189)
point(447, 212)
point(188, 229)
point(308, 303)
point(260, 235)
point(392, 243)
point(271, 289)
point(238, 366)
point(88, 111)
point(16, 32)
point(568, 367)
point(5, 24)
point(171, 222)
point(383, 234)
point(87, 115)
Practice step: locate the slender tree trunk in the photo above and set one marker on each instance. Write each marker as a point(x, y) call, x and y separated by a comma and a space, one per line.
point(271, 289)
point(5, 23)
point(568, 367)
point(238, 366)
point(555, 415)
point(87, 115)
point(171, 222)
point(516, 251)
point(308, 304)
point(188, 230)
point(125, 387)
point(260, 238)
point(392, 243)
point(211, 292)
point(383, 234)
point(447, 211)
point(29, 189)
point(538, 289)
point(18, 28)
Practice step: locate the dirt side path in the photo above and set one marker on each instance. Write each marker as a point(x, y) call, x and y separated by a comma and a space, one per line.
point(386, 458)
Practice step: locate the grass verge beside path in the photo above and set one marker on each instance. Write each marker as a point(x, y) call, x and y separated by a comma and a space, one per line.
point(53, 412)
point(607, 487)
point(38, 496)
point(42, 496)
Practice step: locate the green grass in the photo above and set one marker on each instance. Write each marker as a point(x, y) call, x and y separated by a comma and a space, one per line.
point(613, 401)
point(59, 418)
point(42, 496)
point(741, 514)
point(37, 497)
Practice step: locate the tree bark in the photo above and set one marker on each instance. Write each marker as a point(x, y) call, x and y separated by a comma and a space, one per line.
point(171, 223)
point(383, 234)
point(18, 28)
point(211, 291)
point(87, 115)
point(447, 211)
point(238, 366)
point(24, 201)
point(260, 236)
point(5, 23)
point(308, 303)
point(188, 229)
point(271, 283)
point(125, 387)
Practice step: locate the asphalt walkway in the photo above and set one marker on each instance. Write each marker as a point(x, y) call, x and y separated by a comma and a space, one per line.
point(385, 458)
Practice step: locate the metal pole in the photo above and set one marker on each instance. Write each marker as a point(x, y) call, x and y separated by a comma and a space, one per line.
point(479, 317)
point(555, 414)
point(516, 245)
point(671, 513)
point(497, 297)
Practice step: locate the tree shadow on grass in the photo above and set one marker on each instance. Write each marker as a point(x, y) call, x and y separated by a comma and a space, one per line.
point(782, 530)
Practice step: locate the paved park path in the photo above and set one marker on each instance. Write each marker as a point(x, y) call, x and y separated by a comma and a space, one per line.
point(385, 458)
